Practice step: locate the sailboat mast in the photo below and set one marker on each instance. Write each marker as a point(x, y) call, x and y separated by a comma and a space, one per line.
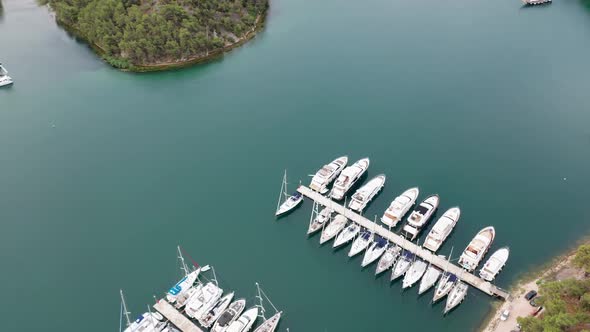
point(183, 265)
point(125, 312)
point(447, 265)
point(214, 276)
point(259, 297)
point(283, 191)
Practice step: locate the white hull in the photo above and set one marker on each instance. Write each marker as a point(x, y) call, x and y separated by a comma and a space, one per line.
point(348, 178)
point(494, 264)
point(420, 216)
point(477, 248)
point(270, 324)
point(291, 203)
point(366, 193)
point(245, 322)
point(375, 250)
point(402, 265)
point(182, 286)
point(429, 279)
point(346, 235)
point(322, 218)
point(399, 207)
point(229, 315)
point(183, 299)
point(388, 259)
point(322, 179)
point(415, 272)
point(333, 228)
point(209, 293)
point(441, 229)
point(444, 286)
point(360, 243)
point(149, 322)
point(456, 296)
point(211, 315)
point(5, 80)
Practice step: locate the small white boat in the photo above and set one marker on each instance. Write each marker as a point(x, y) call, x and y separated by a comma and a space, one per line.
point(270, 324)
point(399, 207)
point(149, 322)
point(348, 178)
point(360, 243)
point(290, 202)
point(208, 295)
point(456, 296)
point(441, 229)
point(494, 264)
point(388, 259)
point(4, 78)
point(429, 279)
point(229, 316)
point(477, 248)
point(346, 235)
point(444, 286)
point(182, 286)
point(320, 220)
point(402, 265)
point(209, 317)
point(333, 228)
point(182, 299)
point(415, 272)
point(375, 250)
point(327, 174)
point(420, 216)
point(365, 194)
point(245, 322)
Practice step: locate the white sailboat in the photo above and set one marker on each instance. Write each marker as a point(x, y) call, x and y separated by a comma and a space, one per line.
point(477, 248)
point(270, 324)
point(182, 287)
point(420, 216)
point(147, 322)
point(209, 317)
point(361, 243)
point(494, 264)
point(414, 273)
point(290, 201)
point(456, 296)
point(402, 265)
point(441, 229)
point(365, 194)
point(229, 316)
point(333, 228)
point(399, 207)
point(327, 174)
point(346, 235)
point(429, 279)
point(4, 78)
point(374, 251)
point(446, 282)
point(388, 259)
point(321, 218)
point(348, 178)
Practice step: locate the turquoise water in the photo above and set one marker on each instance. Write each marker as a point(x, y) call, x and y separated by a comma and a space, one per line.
point(103, 173)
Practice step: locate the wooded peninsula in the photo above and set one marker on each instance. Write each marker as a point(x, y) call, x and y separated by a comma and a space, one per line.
point(146, 35)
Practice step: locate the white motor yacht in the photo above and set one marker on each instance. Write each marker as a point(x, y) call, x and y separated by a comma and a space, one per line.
point(245, 322)
point(477, 248)
point(348, 178)
point(209, 293)
point(420, 216)
point(365, 194)
point(229, 315)
point(212, 314)
point(441, 229)
point(327, 174)
point(494, 264)
point(399, 207)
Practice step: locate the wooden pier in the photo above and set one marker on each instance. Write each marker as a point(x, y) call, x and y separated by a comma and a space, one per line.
point(175, 317)
point(426, 255)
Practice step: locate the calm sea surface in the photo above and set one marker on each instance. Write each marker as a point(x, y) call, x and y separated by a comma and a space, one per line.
point(103, 173)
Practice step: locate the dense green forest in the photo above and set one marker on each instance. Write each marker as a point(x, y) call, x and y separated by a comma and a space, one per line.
point(566, 302)
point(145, 32)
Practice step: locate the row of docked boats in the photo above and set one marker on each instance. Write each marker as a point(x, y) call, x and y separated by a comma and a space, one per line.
point(203, 302)
point(390, 256)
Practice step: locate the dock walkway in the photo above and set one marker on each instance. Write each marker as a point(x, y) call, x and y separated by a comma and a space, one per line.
point(175, 317)
point(426, 255)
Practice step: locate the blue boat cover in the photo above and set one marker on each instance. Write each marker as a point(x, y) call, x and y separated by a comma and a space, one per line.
point(453, 277)
point(365, 235)
point(381, 242)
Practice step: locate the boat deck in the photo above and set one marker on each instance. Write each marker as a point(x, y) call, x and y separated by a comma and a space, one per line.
point(426, 255)
point(175, 317)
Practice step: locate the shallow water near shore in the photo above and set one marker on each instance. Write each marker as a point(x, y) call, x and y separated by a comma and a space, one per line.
point(103, 173)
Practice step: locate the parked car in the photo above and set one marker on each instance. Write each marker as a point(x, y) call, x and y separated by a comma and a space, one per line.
point(504, 315)
point(536, 311)
point(530, 295)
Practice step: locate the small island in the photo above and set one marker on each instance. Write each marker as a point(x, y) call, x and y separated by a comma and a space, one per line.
point(150, 35)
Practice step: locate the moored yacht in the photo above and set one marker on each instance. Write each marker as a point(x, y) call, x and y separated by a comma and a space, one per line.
point(182, 286)
point(375, 250)
point(348, 178)
point(245, 322)
point(183, 298)
point(360, 243)
point(444, 286)
point(229, 316)
point(149, 322)
point(209, 317)
point(333, 228)
point(327, 174)
point(388, 259)
point(365, 194)
point(290, 202)
point(456, 296)
point(270, 324)
point(320, 220)
point(346, 235)
point(429, 279)
point(402, 265)
point(208, 295)
point(4, 78)
point(494, 264)
point(441, 229)
point(419, 217)
point(477, 248)
point(415, 272)
point(399, 207)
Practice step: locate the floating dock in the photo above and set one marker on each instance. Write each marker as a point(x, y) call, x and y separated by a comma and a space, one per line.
point(175, 317)
point(426, 255)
